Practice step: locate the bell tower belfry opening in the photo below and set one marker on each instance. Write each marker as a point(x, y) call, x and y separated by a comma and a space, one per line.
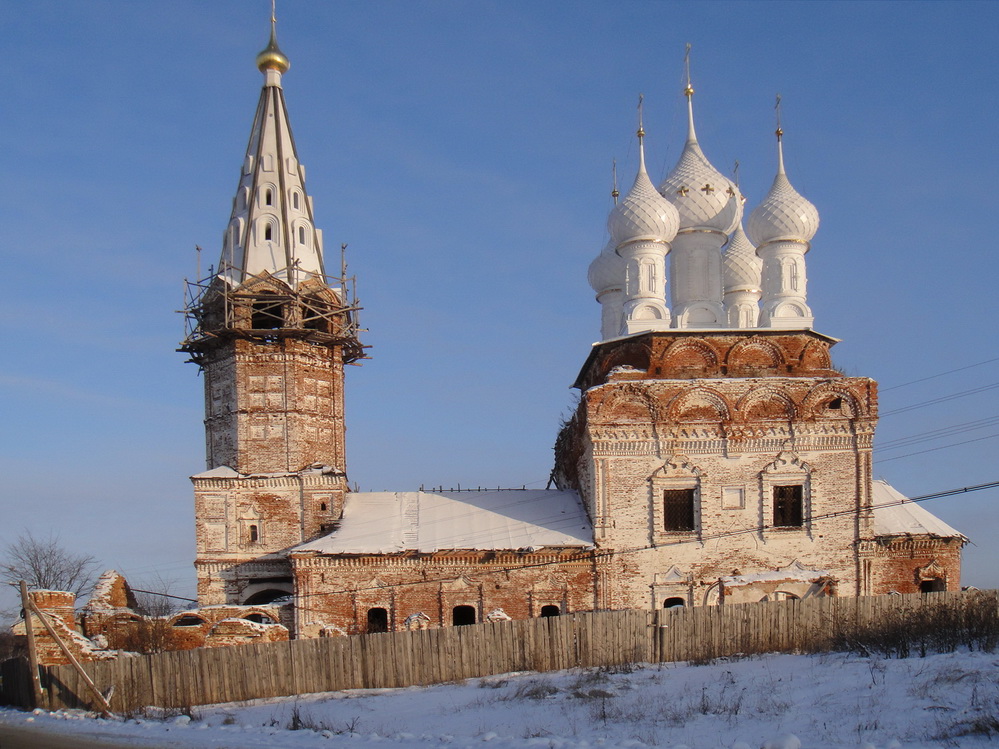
point(271, 331)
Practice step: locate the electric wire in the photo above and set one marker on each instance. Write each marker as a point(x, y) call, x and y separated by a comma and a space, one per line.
point(594, 554)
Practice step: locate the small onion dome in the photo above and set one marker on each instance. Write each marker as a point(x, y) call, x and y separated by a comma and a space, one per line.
point(643, 214)
point(783, 214)
point(607, 269)
point(272, 58)
point(741, 266)
point(702, 195)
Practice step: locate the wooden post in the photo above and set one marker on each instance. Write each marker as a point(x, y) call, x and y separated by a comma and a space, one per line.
point(105, 708)
point(36, 683)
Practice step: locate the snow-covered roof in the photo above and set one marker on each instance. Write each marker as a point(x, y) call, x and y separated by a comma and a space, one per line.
point(907, 518)
point(386, 522)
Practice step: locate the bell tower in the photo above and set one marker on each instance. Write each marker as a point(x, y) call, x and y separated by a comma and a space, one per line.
point(271, 331)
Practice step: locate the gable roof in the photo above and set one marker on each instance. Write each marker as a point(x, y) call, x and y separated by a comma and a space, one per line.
point(388, 522)
point(902, 517)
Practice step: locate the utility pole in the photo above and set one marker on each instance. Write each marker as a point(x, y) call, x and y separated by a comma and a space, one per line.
point(36, 683)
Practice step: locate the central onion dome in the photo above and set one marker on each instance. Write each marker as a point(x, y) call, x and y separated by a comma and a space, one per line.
point(784, 213)
point(741, 266)
point(702, 195)
point(643, 214)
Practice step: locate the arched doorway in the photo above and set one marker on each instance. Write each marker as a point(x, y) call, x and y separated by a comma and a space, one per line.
point(676, 602)
point(550, 610)
point(462, 615)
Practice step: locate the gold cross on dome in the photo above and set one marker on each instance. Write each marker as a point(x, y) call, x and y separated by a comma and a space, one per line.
point(707, 189)
point(682, 192)
point(730, 192)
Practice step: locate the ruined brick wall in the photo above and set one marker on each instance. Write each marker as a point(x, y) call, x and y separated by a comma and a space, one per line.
point(274, 406)
point(243, 524)
point(335, 593)
point(911, 564)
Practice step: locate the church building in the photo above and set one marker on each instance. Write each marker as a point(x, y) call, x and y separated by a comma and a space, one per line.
point(716, 455)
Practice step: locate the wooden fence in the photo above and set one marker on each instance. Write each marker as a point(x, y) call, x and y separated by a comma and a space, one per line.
point(213, 675)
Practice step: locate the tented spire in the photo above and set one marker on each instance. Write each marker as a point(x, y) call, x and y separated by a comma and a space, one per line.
point(272, 228)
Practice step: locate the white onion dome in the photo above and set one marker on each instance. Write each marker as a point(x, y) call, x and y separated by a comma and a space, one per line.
point(702, 195)
point(784, 213)
point(643, 214)
point(607, 269)
point(741, 266)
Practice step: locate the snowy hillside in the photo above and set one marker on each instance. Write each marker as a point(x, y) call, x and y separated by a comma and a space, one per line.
point(834, 700)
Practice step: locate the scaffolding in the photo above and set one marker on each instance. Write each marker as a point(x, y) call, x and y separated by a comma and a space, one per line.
point(320, 309)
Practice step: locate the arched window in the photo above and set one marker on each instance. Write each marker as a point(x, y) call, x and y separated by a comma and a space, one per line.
point(935, 585)
point(268, 312)
point(259, 618)
point(550, 610)
point(268, 197)
point(188, 620)
point(294, 200)
point(267, 232)
point(462, 615)
point(674, 603)
point(254, 534)
point(377, 620)
point(301, 235)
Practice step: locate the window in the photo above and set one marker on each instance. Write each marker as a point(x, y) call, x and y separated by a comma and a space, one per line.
point(462, 615)
point(788, 506)
point(294, 200)
point(254, 534)
point(678, 509)
point(377, 620)
point(550, 610)
point(674, 603)
point(267, 313)
point(301, 235)
point(936, 585)
point(268, 199)
point(188, 620)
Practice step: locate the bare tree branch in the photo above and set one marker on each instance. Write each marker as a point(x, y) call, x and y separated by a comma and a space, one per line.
point(45, 563)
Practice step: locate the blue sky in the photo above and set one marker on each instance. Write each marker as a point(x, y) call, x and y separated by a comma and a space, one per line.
point(463, 151)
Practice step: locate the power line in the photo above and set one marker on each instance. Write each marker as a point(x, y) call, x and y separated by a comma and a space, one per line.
point(934, 449)
point(968, 426)
point(941, 374)
point(595, 554)
point(942, 399)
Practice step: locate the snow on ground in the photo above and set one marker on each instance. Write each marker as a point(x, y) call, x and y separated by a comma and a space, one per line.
point(773, 701)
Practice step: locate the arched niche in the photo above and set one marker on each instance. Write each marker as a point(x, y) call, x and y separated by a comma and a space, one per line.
point(755, 356)
point(699, 404)
point(689, 356)
point(765, 404)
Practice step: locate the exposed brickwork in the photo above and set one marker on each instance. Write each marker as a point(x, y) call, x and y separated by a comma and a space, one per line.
point(910, 565)
point(335, 593)
point(274, 415)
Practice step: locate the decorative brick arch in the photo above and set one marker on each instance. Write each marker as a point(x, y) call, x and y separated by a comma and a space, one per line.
point(626, 356)
point(699, 404)
point(689, 355)
point(815, 355)
point(626, 404)
point(754, 355)
point(821, 401)
point(765, 403)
